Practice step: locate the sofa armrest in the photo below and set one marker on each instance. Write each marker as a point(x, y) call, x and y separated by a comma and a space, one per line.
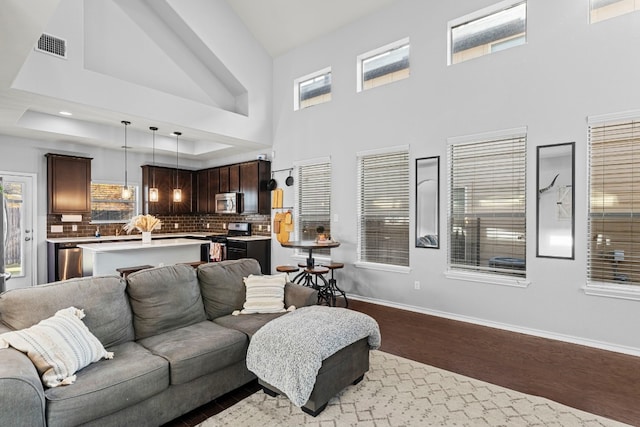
point(299, 295)
point(21, 390)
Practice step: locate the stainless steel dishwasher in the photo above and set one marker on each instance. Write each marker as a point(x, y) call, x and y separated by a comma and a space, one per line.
point(69, 261)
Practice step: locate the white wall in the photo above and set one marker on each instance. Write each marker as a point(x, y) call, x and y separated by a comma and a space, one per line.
point(567, 71)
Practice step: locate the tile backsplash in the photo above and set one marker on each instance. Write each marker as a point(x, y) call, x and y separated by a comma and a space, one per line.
point(185, 224)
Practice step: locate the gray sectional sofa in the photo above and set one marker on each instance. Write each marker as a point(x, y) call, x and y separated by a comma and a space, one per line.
point(176, 345)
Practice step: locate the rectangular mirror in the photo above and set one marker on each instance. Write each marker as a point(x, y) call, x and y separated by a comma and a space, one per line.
point(428, 202)
point(555, 208)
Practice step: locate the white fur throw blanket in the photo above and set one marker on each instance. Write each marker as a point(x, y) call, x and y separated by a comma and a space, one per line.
point(288, 351)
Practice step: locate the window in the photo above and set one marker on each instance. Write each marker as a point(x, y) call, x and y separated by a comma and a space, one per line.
point(614, 211)
point(489, 30)
point(314, 201)
point(383, 207)
point(605, 9)
point(107, 204)
point(487, 229)
point(312, 89)
point(384, 65)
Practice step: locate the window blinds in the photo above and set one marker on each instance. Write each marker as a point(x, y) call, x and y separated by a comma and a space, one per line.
point(487, 230)
point(314, 200)
point(383, 208)
point(614, 202)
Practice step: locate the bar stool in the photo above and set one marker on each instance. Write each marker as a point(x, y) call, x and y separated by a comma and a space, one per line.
point(313, 277)
point(333, 284)
point(125, 271)
point(287, 269)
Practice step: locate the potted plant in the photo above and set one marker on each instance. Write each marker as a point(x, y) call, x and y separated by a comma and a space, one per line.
point(321, 236)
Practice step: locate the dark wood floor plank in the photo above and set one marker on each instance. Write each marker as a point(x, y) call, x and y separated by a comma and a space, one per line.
point(593, 380)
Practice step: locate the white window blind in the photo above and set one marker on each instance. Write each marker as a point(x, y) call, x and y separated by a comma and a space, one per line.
point(487, 206)
point(314, 201)
point(383, 208)
point(614, 202)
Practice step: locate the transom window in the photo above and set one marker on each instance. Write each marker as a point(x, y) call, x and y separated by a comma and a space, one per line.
point(312, 89)
point(108, 205)
point(487, 228)
point(614, 211)
point(498, 27)
point(383, 207)
point(605, 9)
point(384, 65)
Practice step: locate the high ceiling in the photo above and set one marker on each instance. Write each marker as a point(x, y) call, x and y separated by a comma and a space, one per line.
point(282, 25)
point(277, 25)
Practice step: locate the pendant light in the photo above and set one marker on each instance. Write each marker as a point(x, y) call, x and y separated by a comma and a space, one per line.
point(153, 191)
point(177, 192)
point(125, 189)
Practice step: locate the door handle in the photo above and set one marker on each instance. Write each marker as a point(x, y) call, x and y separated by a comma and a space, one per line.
point(26, 239)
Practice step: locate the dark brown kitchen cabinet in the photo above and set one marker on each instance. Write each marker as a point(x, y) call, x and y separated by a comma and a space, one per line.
point(165, 181)
point(69, 184)
point(254, 177)
point(229, 179)
point(207, 185)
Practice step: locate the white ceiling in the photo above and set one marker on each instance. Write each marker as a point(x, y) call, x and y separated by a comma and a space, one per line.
point(282, 25)
point(278, 25)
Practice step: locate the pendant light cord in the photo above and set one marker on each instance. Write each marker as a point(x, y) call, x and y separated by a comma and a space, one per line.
point(125, 123)
point(177, 134)
point(153, 158)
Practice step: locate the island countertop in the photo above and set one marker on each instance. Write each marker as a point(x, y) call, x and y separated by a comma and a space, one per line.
point(101, 259)
point(134, 245)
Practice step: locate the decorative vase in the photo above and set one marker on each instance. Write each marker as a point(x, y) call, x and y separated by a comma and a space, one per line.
point(146, 237)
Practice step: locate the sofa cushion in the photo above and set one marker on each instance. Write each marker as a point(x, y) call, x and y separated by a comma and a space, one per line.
point(248, 325)
point(58, 346)
point(222, 285)
point(164, 299)
point(198, 349)
point(108, 386)
point(103, 299)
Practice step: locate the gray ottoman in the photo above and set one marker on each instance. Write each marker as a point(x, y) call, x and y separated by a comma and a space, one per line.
point(311, 354)
point(345, 367)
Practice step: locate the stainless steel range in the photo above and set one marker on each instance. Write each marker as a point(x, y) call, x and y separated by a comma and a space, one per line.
point(220, 248)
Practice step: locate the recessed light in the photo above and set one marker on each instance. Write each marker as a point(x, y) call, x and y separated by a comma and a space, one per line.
point(66, 113)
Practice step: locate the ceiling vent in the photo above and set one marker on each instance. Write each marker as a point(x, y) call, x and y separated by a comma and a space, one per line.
point(52, 45)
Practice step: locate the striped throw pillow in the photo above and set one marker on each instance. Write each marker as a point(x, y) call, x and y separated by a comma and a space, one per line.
point(265, 294)
point(58, 346)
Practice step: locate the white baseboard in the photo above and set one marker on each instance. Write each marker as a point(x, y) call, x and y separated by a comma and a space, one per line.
point(534, 332)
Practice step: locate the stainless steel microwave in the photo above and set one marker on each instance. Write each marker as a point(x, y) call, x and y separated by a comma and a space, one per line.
point(227, 203)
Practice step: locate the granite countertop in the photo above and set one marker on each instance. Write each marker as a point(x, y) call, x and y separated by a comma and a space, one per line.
point(125, 237)
point(138, 236)
point(138, 245)
point(249, 238)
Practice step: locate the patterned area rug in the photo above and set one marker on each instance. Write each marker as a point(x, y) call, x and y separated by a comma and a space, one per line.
point(401, 392)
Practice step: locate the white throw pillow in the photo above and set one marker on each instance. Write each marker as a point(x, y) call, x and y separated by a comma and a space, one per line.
point(265, 294)
point(58, 346)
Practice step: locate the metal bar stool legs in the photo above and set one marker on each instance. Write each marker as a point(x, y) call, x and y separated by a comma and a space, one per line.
point(333, 284)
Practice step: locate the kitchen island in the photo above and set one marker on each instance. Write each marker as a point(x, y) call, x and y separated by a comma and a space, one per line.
point(101, 259)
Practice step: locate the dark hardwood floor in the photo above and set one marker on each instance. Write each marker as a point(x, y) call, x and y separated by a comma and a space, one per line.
point(585, 378)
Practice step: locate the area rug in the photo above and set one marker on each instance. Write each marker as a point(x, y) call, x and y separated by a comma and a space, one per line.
point(401, 392)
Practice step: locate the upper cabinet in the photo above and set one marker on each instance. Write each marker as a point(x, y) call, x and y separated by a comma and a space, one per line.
point(248, 178)
point(229, 179)
point(254, 176)
point(165, 180)
point(69, 184)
